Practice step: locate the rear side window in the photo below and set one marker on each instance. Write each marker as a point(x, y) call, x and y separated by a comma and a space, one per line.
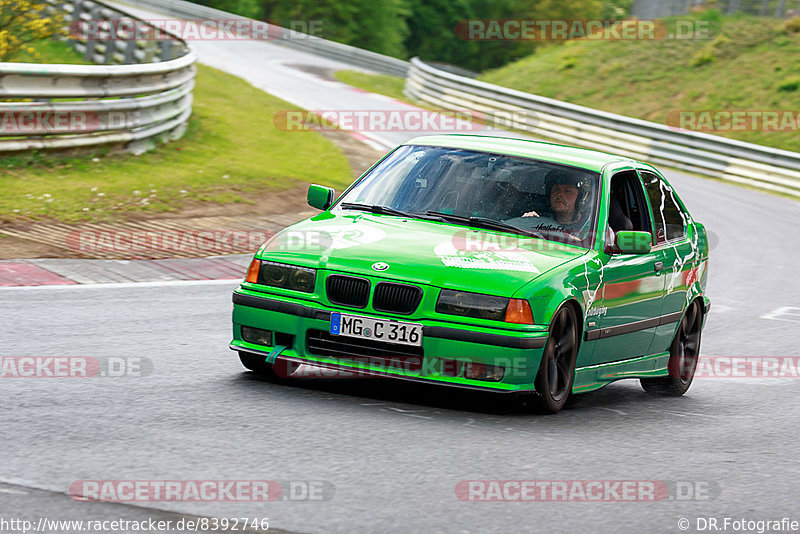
point(669, 219)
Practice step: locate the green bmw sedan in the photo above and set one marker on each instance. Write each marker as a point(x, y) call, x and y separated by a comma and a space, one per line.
point(487, 263)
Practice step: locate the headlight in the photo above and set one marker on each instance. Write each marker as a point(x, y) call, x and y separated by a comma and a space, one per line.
point(287, 276)
point(472, 305)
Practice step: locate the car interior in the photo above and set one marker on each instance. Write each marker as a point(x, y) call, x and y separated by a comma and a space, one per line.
point(627, 209)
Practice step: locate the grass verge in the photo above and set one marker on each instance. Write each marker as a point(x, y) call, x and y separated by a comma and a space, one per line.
point(382, 84)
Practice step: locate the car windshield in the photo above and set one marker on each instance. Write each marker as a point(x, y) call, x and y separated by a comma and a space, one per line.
point(493, 191)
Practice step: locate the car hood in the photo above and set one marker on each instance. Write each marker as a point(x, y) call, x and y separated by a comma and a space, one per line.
point(414, 250)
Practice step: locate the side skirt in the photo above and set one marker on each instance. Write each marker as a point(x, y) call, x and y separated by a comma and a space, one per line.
point(594, 377)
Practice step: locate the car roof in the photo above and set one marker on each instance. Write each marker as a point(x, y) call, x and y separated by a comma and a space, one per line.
point(585, 158)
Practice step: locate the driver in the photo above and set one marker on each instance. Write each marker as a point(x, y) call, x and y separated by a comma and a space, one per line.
point(568, 197)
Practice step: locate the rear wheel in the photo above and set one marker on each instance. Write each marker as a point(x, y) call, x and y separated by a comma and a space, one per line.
point(684, 352)
point(257, 363)
point(557, 370)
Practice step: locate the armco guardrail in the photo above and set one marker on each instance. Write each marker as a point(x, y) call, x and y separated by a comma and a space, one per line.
point(755, 165)
point(291, 39)
point(45, 106)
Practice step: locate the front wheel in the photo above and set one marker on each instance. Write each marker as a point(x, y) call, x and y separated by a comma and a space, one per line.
point(684, 353)
point(258, 364)
point(557, 370)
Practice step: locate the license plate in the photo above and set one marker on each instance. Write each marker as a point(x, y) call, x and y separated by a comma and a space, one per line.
point(376, 329)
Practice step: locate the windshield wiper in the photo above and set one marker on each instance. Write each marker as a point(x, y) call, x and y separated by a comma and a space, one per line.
point(386, 210)
point(448, 216)
point(485, 222)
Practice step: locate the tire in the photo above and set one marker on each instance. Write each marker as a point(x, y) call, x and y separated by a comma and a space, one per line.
point(683, 355)
point(557, 371)
point(257, 363)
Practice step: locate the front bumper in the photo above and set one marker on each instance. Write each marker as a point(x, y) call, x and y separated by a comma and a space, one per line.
point(518, 352)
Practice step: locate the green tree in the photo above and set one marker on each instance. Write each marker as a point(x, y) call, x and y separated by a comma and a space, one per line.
point(491, 54)
point(377, 26)
point(424, 28)
point(382, 26)
point(432, 31)
point(247, 8)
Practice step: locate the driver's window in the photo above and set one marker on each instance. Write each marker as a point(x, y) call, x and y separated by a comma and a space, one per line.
point(626, 207)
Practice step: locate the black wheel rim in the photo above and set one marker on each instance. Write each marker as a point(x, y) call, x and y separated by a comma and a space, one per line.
point(560, 357)
point(688, 346)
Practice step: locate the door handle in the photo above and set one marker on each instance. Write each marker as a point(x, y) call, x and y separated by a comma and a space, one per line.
point(659, 266)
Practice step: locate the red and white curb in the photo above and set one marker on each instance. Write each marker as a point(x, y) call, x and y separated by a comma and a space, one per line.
point(64, 273)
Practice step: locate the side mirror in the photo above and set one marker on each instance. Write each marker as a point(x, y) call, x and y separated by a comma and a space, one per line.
point(630, 242)
point(320, 197)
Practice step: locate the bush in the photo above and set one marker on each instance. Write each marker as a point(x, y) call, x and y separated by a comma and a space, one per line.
point(567, 62)
point(791, 25)
point(22, 23)
point(708, 54)
point(790, 84)
point(616, 9)
point(711, 15)
point(703, 57)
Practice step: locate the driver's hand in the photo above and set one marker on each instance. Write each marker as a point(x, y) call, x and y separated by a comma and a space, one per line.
point(531, 214)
